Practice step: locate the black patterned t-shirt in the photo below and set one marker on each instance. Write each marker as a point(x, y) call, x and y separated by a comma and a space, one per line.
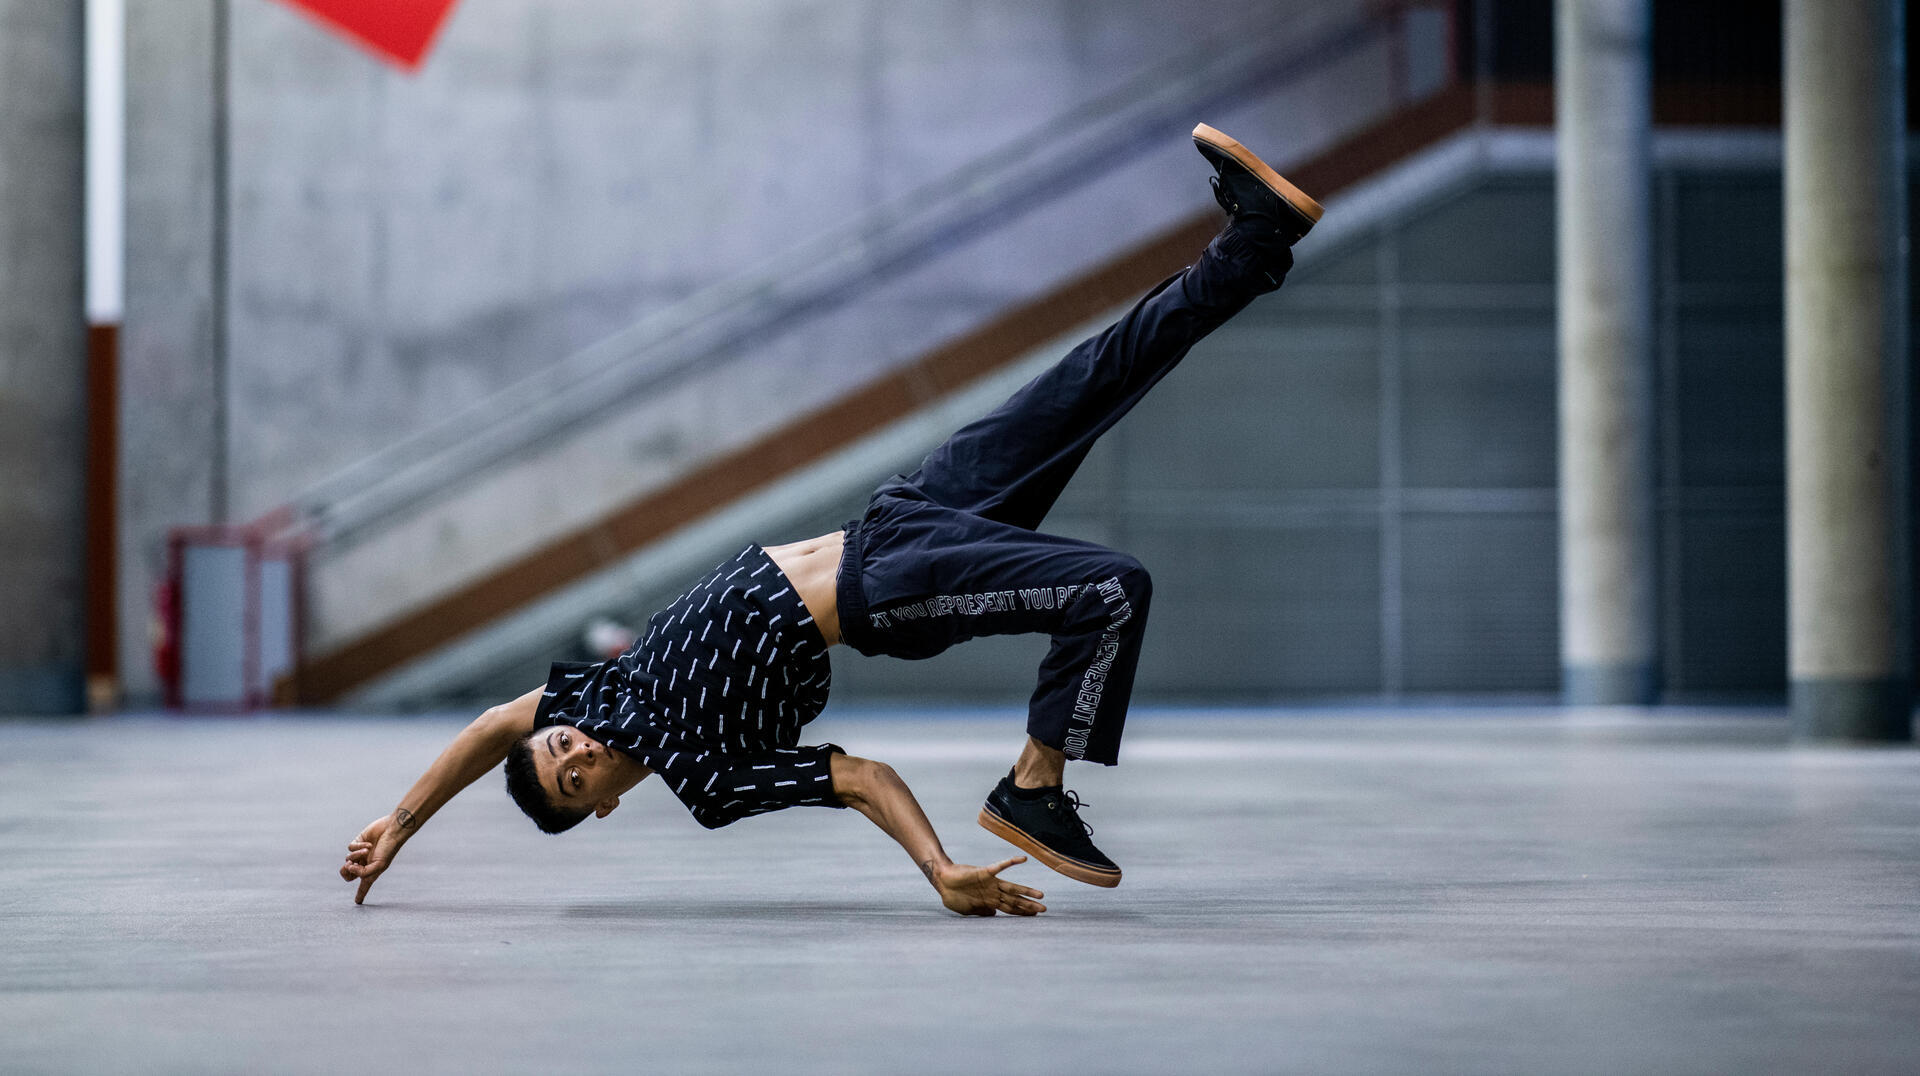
point(712, 698)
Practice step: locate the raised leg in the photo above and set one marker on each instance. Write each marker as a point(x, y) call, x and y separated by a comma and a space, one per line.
point(1011, 465)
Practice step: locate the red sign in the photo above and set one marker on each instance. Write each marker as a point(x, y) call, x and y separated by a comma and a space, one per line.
point(400, 31)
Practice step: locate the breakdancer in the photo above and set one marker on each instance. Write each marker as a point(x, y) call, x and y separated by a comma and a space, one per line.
point(714, 695)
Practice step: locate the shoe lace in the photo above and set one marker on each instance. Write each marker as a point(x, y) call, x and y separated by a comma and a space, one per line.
point(1068, 806)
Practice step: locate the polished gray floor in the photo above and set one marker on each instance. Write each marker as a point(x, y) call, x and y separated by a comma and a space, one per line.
point(1317, 891)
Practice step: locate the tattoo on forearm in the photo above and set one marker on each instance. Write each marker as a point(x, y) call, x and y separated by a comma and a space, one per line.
point(926, 868)
point(405, 818)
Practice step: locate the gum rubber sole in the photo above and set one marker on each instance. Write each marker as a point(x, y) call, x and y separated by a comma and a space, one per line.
point(1072, 868)
point(1275, 182)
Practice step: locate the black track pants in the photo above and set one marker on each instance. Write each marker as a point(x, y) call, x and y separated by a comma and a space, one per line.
point(951, 552)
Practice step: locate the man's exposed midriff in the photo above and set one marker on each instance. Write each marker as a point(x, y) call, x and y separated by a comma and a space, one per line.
point(813, 566)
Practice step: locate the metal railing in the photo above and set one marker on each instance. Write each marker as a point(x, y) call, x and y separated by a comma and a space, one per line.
point(826, 272)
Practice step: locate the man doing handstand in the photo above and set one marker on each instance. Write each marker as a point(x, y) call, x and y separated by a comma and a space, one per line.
point(715, 693)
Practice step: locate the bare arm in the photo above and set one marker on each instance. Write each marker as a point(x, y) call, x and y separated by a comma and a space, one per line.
point(873, 789)
point(478, 748)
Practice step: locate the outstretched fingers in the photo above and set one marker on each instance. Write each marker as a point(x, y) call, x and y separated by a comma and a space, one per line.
point(1018, 900)
point(1011, 887)
point(1012, 897)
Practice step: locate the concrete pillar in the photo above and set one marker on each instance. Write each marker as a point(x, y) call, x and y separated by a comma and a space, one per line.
point(1603, 186)
point(43, 358)
point(169, 413)
point(1846, 456)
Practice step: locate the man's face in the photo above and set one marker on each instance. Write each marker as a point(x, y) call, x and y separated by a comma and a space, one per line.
point(579, 772)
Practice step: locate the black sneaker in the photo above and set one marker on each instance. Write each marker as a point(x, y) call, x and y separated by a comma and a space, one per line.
point(1254, 195)
point(1048, 827)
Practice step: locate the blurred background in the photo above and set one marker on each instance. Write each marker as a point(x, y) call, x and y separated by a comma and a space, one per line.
point(367, 354)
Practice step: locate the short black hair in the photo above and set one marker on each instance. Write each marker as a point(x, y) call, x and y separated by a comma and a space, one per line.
point(523, 784)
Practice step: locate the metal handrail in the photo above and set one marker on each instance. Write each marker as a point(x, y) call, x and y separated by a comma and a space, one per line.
point(814, 276)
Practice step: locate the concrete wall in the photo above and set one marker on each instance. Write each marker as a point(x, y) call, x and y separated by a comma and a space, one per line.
point(42, 357)
point(405, 245)
point(401, 246)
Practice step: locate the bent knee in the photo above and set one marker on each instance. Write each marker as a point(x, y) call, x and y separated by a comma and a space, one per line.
point(1134, 579)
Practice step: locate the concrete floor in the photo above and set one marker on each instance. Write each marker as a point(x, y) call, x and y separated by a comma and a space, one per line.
point(1491, 891)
